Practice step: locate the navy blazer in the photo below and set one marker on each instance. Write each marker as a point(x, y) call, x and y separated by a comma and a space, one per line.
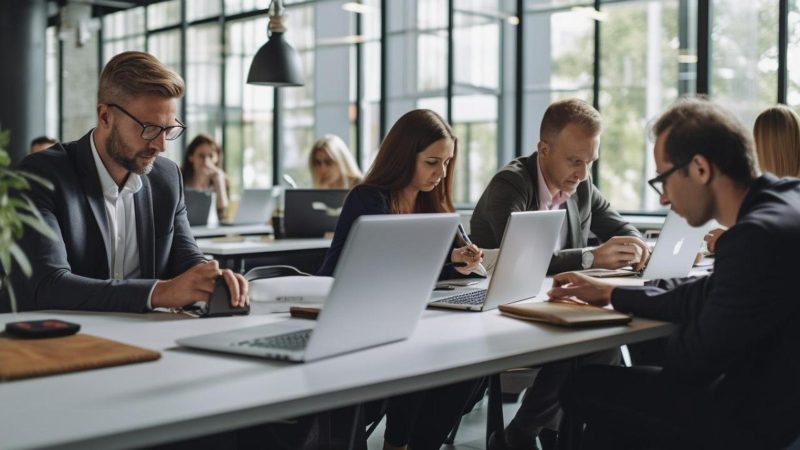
point(738, 326)
point(72, 271)
point(365, 200)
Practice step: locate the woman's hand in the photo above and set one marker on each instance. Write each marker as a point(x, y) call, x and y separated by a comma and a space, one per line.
point(466, 258)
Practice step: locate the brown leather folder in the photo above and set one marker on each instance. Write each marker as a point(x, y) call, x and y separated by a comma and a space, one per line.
point(27, 358)
point(564, 314)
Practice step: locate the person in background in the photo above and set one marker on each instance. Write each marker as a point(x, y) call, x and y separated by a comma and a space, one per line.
point(777, 136)
point(413, 173)
point(202, 171)
point(332, 165)
point(41, 143)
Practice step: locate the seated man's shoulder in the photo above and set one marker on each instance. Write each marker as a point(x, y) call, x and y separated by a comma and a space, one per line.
point(515, 172)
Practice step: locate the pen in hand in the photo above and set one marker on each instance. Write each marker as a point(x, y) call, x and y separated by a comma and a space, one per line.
point(464, 237)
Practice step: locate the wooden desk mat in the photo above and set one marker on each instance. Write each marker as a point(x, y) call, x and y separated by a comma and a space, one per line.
point(27, 358)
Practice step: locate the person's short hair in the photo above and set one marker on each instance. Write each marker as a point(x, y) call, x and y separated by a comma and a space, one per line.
point(698, 126)
point(777, 137)
point(43, 140)
point(564, 112)
point(134, 74)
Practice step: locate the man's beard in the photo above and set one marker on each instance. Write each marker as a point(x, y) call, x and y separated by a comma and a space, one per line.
point(119, 152)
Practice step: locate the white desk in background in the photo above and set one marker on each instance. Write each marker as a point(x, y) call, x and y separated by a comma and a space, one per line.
point(230, 230)
point(232, 252)
point(190, 393)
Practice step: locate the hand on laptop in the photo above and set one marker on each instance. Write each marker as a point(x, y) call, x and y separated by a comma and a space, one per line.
point(711, 239)
point(466, 258)
point(582, 287)
point(621, 251)
point(197, 284)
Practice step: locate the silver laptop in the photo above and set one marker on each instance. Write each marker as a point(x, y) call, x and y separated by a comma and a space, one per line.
point(525, 253)
point(369, 304)
point(255, 206)
point(673, 255)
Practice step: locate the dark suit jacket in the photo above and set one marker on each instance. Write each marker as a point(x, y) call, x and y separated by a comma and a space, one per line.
point(515, 188)
point(72, 272)
point(738, 326)
point(365, 200)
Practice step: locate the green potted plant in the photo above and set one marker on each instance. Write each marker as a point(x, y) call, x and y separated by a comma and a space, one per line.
point(16, 211)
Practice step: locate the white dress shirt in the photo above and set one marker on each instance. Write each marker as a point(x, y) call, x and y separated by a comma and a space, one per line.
point(549, 202)
point(123, 249)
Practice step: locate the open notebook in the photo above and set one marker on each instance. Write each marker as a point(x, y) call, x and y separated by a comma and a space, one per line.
point(564, 314)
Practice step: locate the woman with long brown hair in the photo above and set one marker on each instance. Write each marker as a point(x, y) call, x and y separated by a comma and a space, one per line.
point(202, 171)
point(413, 173)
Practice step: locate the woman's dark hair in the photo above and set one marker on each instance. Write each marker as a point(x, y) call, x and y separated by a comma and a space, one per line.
point(187, 169)
point(396, 162)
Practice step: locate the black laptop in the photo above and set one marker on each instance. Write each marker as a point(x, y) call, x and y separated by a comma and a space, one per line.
point(198, 206)
point(311, 212)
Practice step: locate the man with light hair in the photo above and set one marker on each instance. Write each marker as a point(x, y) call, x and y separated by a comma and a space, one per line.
point(558, 176)
point(117, 209)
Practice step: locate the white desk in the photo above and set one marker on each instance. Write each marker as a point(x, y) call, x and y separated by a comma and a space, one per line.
point(189, 393)
point(230, 230)
point(232, 252)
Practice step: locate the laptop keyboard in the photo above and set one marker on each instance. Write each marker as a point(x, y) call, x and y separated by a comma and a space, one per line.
point(291, 341)
point(473, 297)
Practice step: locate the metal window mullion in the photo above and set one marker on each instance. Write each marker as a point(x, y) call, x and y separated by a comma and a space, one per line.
point(383, 105)
point(359, 87)
point(520, 80)
point(703, 47)
point(450, 59)
point(596, 84)
point(783, 48)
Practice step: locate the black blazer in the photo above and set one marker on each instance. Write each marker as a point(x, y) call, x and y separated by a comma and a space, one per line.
point(72, 272)
point(738, 326)
point(515, 188)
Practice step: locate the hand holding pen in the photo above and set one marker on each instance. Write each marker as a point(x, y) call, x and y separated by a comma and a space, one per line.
point(469, 256)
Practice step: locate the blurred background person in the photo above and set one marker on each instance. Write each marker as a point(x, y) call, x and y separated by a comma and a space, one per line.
point(777, 136)
point(331, 164)
point(41, 143)
point(202, 171)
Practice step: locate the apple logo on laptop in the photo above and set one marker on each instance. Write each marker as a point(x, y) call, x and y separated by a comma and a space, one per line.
point(677, 248)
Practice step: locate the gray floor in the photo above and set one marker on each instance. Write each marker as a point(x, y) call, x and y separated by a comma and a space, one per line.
point(471, 434)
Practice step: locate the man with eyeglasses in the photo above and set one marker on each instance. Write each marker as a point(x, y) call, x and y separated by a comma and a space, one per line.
point(123, 239)
point(731, 370)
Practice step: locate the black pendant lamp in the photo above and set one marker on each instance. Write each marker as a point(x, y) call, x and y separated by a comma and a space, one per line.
point(276, 63)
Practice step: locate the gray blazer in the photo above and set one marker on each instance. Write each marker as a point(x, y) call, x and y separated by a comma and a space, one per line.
point(514, 188)
point(72, 272)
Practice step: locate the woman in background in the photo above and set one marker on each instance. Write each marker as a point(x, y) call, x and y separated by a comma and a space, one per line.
point(413, 173)
point(202, 171)
point(777, 136)
point(332, 165)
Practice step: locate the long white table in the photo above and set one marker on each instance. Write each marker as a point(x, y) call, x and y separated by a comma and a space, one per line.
point(190, 393)
point(202, 231)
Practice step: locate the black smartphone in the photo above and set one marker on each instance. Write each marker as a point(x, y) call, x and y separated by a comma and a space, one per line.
point(42, 328)
point(219, 304)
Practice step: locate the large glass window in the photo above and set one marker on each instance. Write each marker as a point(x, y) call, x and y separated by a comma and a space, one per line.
point(164, 14)
point(744, 56)
point(204, 81)
point(123, 31)
point(201, 9)
point(166, 46)
point(371, 82)
point(248, 109)
point(640, 69)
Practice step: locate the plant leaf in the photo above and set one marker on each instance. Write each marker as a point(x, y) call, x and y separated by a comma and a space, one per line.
point(21, 259)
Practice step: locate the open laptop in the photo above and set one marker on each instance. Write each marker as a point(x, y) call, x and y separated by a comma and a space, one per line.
point(311, 212)
point(525, 253)
point(255, 207)
point(370, 302)
point(198, 206)
point(673, 255)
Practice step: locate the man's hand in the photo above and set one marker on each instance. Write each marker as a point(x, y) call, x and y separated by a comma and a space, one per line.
point(466, 258)
point(711, 239)
point(197, 285)
point(582, 287)
point(621, 251)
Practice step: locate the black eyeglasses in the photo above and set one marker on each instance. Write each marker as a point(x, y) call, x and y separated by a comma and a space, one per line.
point(660, 181)
point(150, 132)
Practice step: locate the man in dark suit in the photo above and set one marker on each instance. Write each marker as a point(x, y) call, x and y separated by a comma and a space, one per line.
point(123, 239)
point(731, 370)
point(557, 176)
